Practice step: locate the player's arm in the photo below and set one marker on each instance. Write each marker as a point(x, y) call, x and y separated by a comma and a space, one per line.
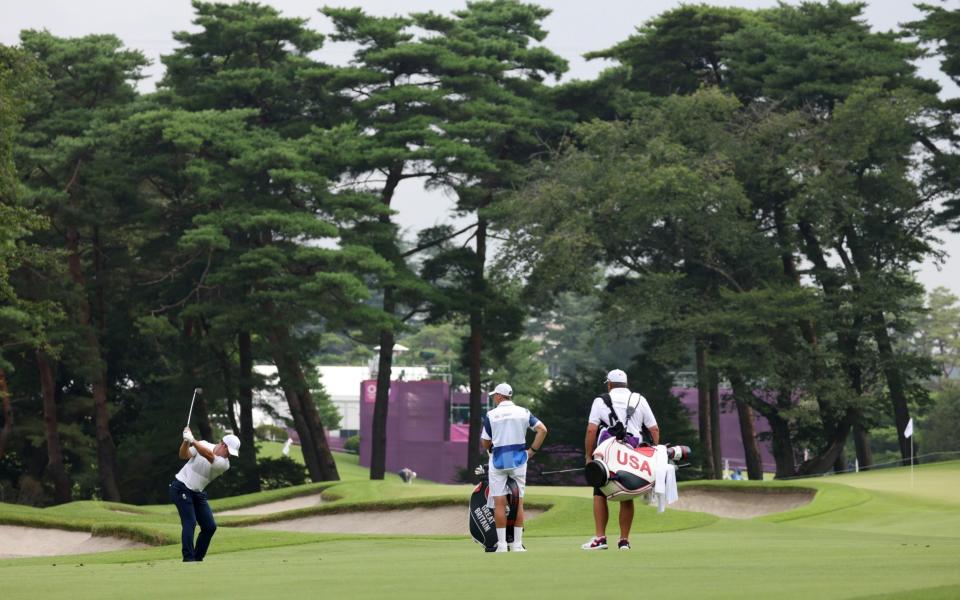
point(590, 442)
point(486, 435)
point(184, 453)
point(539, 436)
point(203, 451)
point(654, 434)
point(184, 450)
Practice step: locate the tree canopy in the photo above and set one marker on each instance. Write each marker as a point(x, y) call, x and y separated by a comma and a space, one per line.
point(740, 200)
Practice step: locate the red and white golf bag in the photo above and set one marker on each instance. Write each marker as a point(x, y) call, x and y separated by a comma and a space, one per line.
point(623, 472)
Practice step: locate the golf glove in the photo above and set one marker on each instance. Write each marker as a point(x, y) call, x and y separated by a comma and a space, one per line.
point(187, 436)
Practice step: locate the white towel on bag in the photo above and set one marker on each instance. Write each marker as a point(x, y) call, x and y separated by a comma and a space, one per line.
point(665, 479)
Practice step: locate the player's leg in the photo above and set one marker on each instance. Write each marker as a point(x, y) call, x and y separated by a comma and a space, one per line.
point(498, 493)
point(626, 521)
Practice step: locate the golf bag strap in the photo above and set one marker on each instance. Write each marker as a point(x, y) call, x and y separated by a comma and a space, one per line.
point(608, 401)
point(613, 419)
point(632, 409)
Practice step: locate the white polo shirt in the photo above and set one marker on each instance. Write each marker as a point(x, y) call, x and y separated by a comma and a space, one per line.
point(506, 427)
point(198, 472)
point(619, 397)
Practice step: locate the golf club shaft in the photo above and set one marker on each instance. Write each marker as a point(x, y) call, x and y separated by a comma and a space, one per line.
point(192, 400)
point(563, 471)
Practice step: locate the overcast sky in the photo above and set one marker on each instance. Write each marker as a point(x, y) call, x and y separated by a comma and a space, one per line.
point(575, 27)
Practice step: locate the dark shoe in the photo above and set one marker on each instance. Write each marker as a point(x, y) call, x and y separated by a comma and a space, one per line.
point(623, 545)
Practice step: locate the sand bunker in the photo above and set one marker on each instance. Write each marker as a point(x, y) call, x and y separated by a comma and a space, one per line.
point(274, 507)
point(18, 542)
point(740, 504)
point(439, 520)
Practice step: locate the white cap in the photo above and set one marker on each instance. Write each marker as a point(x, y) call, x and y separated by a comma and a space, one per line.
point(616, 376)
point(504, 389)
point(233, 444)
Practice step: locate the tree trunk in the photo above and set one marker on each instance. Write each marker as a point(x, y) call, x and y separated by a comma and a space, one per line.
point(307, 447)
point(783, 453)
point(861, 438)
point(229, 391)
point(827, 459)
point(833, 288)
point(703, 409)
point(248, 447)
point(106, 450)
point(898, 396)
point(476, 349)
point(55, 467)
point(748, 433)
point(849, 343)
point(313, 438)
point(203, 419)
point(381, 405)
point(7, 413)
point(715, 424)
point(476, 405)
point(328, 466)
point(840, 462)
point(378, 442)
point(782, 446)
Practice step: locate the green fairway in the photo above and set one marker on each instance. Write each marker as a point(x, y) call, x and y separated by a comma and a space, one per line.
point(864, 535)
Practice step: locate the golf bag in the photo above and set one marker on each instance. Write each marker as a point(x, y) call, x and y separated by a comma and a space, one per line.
point(483, 530)
point(623, 472)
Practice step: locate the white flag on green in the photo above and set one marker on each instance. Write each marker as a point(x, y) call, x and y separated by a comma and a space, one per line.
point(908, 430)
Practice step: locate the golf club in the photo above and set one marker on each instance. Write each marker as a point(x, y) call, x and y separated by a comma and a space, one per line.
point(190, 414)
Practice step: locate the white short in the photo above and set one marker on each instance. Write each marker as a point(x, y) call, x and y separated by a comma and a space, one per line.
point(498, 481)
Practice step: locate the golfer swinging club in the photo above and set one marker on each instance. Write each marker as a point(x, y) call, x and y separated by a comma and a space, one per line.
point(205, 462)
point(504, 436)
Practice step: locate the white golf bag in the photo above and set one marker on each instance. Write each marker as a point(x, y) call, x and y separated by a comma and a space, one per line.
point(623, 472)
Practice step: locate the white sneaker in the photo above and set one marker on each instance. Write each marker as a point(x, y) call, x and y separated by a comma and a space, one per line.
point(517, 548)
point(596, 544)
point(501, 548)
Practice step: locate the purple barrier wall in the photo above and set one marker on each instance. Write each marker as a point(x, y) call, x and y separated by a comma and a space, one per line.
point(731, 444)
point(459, 432)
point(418, 429)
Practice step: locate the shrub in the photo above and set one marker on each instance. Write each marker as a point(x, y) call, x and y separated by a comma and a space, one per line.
point(939, 429)
point(352, 444)
point(280, 472)
point(270, 433)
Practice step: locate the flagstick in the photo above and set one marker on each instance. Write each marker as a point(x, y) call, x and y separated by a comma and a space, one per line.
point(911, 462)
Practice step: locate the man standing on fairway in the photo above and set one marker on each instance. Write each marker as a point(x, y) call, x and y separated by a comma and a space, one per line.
point(624, 412)
point(505, 437)
point(205, 462)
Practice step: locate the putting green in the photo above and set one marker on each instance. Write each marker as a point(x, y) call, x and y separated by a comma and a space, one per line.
point(864, 535)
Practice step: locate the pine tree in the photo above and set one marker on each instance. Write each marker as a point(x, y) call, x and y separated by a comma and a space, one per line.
point(248, 56)
point(491, 75)
point(90, 83)
point(391, 92)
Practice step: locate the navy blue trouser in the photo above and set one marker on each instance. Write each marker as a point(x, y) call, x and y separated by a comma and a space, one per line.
point(193, 509)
